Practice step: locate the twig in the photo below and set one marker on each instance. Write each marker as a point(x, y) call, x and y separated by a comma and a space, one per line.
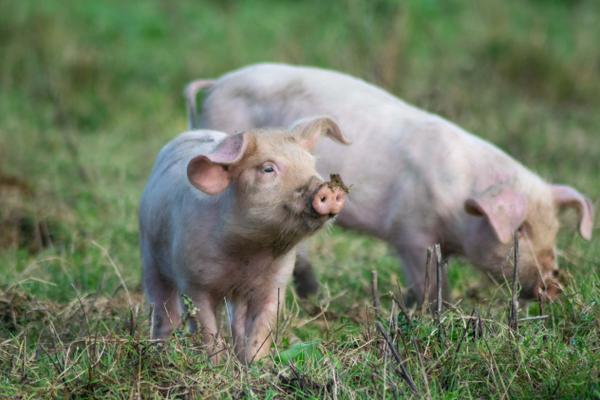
point(403, 371)
point(375, 294)
point(477, 326)
point(427, 288)
point(277, 320)
point(439, 264)
point(514, 304)
point(438, 280)
point(543, 313)
point(536, 318)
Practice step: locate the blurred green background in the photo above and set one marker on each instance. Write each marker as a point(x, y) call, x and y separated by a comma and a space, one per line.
point(90, 91)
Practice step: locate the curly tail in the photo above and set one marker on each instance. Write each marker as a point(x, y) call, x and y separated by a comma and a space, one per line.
point(190, 92)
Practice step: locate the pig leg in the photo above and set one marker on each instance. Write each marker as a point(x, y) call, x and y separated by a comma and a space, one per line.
point(164, 301)
point(415, 260)
point(261, 319)
point(206, 322)
point(305, 281)
point(238, 329)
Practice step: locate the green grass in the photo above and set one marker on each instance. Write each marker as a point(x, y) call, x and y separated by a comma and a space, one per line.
point(90, 91)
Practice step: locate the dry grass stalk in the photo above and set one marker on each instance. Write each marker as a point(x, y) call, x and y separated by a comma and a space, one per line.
point(514, 304)
point(375, 294)
point(403, 371)
point(438, 280)
point(425, 302)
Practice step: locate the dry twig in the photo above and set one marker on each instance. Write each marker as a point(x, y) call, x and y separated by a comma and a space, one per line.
point(375, 294)
point(403, 371)
point(514, 304)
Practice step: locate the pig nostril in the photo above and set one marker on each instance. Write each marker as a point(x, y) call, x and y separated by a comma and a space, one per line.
point(323, 199)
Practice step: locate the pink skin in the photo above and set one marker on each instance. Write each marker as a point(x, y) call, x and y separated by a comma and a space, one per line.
point(417, 178)
point(220, 220)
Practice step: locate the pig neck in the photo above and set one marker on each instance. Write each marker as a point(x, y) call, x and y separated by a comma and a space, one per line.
point(244, 238)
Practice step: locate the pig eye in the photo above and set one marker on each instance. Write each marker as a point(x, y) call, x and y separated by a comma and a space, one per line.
point(267, 168)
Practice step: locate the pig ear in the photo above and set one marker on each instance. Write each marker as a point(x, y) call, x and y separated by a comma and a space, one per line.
point(309, 131)
point(566, 196)
point(209, 172)
point(505, 210)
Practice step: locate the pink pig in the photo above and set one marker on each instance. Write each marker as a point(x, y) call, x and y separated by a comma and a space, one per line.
point(220, 220)
point(418, 178)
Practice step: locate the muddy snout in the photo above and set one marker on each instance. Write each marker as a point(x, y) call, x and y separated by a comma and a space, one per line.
point(330, 197)
point(549, 290)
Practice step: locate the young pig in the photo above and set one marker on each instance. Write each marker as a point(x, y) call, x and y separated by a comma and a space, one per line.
point(419, 178)
point(220, 219)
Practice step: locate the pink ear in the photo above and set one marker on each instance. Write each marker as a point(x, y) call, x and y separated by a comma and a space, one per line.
point(504, 209)
point(208, 172)
point(230, 150)
point(566, 196)
point(310, 130)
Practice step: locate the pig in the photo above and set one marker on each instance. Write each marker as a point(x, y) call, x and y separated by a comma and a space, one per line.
point(220, 219)
point(420, 179)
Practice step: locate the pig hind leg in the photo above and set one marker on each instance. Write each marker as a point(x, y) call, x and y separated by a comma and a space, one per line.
point(164, 301)
point(205, 322)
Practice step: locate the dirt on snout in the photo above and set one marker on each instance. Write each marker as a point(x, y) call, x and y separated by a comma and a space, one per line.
point(335, 181)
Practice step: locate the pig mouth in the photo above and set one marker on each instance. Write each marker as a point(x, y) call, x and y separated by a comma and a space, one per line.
point(308, 220)
point(547, 290)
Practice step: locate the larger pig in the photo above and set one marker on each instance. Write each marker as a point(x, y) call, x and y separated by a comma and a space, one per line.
point(220, 219)
point(419, 178)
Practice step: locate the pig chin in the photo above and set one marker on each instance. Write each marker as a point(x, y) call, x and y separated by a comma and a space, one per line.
point(305, 218)
point(305, 222)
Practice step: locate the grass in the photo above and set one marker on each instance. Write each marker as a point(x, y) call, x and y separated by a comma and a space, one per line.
point(89, 91)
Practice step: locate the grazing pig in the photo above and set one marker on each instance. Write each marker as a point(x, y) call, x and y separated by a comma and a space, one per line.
point(220, 219)
point(419, 178)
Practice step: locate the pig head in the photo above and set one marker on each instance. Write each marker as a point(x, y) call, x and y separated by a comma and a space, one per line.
point(502, 211)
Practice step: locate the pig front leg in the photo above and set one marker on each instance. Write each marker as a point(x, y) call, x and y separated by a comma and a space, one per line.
point(260, 316)
point(238, 329)
point(206, 322)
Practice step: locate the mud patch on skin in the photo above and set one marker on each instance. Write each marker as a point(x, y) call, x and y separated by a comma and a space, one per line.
point(336, 182)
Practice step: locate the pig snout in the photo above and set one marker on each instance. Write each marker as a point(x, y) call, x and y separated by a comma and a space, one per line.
point(328, 200)
point(549, 290)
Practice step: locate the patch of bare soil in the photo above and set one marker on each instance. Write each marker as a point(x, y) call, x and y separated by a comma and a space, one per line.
point(21, 226)
point(20, 312)
point(18, 309)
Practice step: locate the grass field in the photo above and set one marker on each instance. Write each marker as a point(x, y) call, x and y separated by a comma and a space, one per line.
point(90, 91)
